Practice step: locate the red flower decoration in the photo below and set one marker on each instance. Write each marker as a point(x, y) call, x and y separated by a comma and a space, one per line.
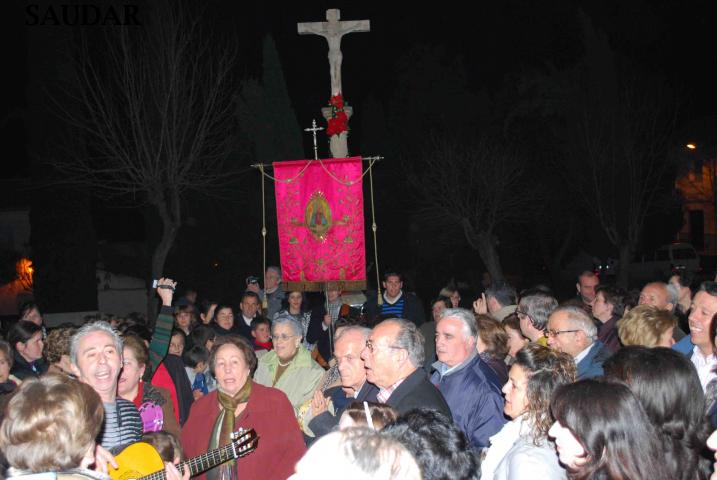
point(339, 121)
point(337, 101)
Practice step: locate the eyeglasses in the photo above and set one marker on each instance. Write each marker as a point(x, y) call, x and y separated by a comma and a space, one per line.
point(521, 313)
point(555, 333)
point(282, 337)
point(371, 347)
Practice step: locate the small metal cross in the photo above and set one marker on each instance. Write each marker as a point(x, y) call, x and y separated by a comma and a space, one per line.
point(313, 130)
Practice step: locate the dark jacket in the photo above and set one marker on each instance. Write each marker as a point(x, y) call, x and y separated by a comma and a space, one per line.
point(607, 334)
point(23, 369)
point(241, 328)
point(324, 338)
point(499, 367)
point(412, 309)
point(325, 422)
point(474, 398)
point(416, 391)
point(591, 365)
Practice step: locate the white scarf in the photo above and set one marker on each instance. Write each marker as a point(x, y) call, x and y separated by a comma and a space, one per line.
point(500, 443)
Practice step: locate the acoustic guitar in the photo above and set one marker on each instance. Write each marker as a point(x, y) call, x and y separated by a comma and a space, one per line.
point(140, 461)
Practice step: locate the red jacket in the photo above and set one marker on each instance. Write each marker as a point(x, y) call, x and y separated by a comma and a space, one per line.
point(270, 414)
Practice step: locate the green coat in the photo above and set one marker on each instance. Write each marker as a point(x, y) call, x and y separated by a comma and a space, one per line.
point(298, 381)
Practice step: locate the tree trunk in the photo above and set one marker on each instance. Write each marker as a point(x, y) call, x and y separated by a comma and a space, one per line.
point(489, 254)
point(623, 275)
point(170, 214)
point(483, 242)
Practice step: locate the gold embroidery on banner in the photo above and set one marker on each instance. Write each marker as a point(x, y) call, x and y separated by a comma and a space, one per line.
point(317, 217)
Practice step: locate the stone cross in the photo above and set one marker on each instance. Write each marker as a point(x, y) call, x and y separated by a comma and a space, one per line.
point(332, 30)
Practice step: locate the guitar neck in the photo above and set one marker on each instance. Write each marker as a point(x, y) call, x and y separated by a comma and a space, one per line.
point(201, 463)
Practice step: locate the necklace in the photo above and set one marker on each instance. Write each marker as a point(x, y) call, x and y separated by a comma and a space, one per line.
point(284, 364)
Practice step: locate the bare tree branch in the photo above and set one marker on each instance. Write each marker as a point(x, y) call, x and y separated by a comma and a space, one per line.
point(468, 188)
point(155, 108)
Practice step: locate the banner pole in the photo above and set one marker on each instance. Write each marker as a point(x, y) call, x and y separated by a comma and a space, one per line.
point(379, 297)
point(264, 301)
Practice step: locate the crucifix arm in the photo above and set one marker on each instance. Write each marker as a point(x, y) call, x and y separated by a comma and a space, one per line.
point(355, 26)
point(312, 28)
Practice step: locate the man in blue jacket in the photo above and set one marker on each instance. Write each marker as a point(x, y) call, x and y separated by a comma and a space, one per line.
point(468, 384)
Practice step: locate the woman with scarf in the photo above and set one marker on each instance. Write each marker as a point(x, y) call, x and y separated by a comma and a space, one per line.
point(521, 450)
point(241, 402)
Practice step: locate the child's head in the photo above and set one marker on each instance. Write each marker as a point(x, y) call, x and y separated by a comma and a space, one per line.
point(196, 357)
point(367, 414)
point(177, 342)
point(261, 330)
point(166, 445)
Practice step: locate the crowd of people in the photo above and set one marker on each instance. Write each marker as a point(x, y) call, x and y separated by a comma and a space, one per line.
point(609, 384)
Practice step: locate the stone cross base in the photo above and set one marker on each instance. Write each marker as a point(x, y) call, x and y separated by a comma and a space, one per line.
point(338, 143)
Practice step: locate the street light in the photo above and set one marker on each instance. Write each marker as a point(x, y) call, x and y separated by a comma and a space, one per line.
point(691, 146)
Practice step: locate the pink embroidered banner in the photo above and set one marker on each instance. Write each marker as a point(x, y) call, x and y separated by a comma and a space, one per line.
point(319, 210)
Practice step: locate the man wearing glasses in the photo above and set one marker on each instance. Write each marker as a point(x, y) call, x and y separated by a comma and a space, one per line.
point(393, 356)
point(572, 331)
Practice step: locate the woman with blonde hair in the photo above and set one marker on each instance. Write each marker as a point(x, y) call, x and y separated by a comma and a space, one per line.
point(51, 425)
point(647, 326)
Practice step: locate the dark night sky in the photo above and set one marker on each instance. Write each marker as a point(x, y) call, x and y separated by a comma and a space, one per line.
point(495, 39)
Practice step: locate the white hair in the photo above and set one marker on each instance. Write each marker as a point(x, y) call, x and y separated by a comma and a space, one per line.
point(358, 453)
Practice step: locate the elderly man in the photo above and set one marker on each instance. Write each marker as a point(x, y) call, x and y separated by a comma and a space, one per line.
point(393, 356)
point(354, 387)
point(572, 331)
point(664, 297)
point(587, 283)
point(96, 355)
point(396, 302)
point(468, 384)
point(533, 310)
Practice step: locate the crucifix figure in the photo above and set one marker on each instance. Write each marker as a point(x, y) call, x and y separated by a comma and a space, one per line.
point(332, 30)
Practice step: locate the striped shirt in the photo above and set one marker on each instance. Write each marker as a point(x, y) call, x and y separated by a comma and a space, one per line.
point(395, 310)
point(122, 425)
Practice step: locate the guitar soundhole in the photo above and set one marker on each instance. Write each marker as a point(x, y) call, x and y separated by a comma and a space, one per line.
point(130, 475)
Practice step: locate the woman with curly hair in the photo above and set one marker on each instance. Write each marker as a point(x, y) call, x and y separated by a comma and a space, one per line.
point(57, 349)
point(521, 450)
